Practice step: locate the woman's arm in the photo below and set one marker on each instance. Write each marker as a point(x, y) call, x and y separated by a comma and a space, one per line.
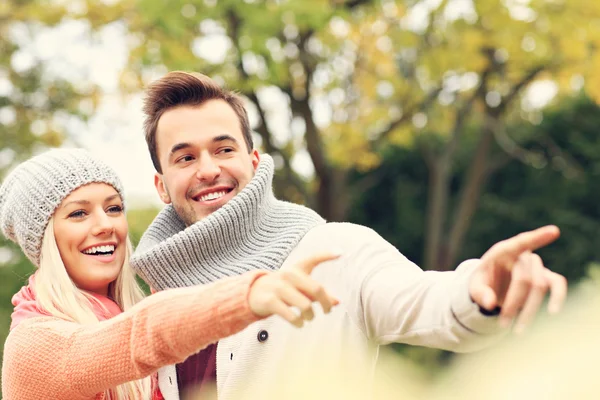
point(56, 359)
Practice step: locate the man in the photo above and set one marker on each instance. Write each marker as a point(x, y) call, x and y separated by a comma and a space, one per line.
point(222, 219)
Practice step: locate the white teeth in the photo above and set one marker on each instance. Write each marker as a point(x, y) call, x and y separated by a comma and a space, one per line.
point(212, 196)
point(100, 249)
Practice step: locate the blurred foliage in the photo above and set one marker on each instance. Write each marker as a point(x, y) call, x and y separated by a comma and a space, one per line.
point(34, 106)
point(361, 76)
point(356, 77)
point(139, 219)
point(563, 190)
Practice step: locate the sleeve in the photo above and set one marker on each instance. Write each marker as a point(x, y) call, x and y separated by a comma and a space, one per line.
point(398, 302)
point(50, 358)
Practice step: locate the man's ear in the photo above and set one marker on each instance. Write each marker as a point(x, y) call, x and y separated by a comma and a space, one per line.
point(161, 188)
point(255, 158)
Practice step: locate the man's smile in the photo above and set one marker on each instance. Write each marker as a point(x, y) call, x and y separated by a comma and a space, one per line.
point(213, 195)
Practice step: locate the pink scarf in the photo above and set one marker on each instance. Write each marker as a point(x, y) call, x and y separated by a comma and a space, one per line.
point(26, 305)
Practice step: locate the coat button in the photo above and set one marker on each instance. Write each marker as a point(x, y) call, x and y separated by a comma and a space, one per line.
point(263, 336)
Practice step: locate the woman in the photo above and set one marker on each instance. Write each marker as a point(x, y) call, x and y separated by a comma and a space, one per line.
point(77, 332)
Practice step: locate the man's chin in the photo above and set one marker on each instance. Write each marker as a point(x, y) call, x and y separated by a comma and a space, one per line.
point(196, 211)
point(199, 215)
point(188, 216)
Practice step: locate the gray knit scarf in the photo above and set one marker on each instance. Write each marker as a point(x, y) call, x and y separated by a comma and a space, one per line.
point(252, 231)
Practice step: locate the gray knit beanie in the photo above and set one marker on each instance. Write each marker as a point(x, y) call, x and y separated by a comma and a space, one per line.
point(34, 189)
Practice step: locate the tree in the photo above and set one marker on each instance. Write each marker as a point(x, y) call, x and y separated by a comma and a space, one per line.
point(359, 76)
point(35, 107)
point(562, 190)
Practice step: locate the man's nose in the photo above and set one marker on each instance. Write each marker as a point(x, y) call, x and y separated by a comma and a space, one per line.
point(208, 169)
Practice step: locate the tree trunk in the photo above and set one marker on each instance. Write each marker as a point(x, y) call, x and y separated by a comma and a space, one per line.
point(437, 204)
point(468, 199)
point(333, 198)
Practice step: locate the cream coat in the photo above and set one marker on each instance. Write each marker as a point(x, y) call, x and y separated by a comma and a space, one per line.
point(384, 298)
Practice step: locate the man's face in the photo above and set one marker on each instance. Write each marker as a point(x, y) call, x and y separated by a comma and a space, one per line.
point(204, 158)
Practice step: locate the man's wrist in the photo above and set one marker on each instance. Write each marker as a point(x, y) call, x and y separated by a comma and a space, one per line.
point(484, 311)
point(490, 313)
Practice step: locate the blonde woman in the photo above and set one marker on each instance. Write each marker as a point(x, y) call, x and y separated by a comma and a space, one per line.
point(80, 329)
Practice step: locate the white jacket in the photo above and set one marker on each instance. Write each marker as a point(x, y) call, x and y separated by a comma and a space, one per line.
point(384, 298)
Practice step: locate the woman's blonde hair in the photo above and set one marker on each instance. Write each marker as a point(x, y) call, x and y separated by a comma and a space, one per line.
point(58, 295)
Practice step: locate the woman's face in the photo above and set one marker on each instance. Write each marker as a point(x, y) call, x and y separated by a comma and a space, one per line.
point(91, 231)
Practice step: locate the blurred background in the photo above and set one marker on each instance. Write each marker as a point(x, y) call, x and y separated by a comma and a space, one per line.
point(445, 125)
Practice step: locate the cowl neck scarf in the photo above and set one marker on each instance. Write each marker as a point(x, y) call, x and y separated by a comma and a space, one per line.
point(251, 231)
point(26, 305)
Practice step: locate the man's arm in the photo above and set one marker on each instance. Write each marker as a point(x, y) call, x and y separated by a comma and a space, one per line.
point(403, 304)
point(398, 302)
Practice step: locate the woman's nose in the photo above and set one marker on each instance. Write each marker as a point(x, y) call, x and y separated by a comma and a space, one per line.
point(103, 225)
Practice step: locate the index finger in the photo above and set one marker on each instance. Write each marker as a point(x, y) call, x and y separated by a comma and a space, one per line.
point(526, 241)
point(308, 264)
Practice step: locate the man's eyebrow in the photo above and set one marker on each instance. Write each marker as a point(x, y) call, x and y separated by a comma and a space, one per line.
point(179, 146)
point(222, 138)
point(216, 139)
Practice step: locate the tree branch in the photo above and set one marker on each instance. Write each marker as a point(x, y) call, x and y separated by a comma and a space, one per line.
point(571, 168)
point(504, 141)
point(463, 111)
point(351, 4)
point(427, 152)
point(479, 168)
point(407, 115)
point(497, 163)
point(313, 138)
point(470, 194)
point(429, 98)
point(440, 172)
point(234, 23)
point(516, 89)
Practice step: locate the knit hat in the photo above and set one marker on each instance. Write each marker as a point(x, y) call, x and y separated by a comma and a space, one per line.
point(34, 189)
